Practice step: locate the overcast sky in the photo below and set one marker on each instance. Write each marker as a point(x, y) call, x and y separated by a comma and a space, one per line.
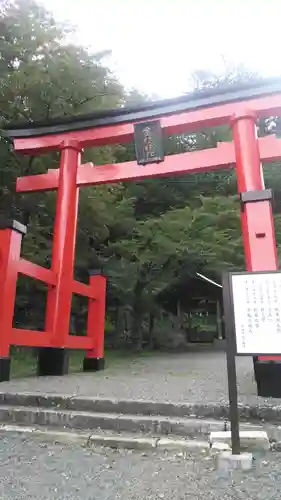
point(157, 44)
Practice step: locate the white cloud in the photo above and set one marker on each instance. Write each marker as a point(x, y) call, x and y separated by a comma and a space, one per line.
point(156, 44)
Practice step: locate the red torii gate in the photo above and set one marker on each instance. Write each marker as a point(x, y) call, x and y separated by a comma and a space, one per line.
point(239, 107)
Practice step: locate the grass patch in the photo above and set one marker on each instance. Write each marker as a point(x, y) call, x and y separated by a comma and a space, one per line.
point(24, 360)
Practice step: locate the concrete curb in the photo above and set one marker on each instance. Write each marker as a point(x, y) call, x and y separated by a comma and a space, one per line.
point(63, 437)
point(226, 462)
point(167, 444)
point(248, 413)
point(112, 441)
point(114, 422)
point(123, 441)
point(249, 440)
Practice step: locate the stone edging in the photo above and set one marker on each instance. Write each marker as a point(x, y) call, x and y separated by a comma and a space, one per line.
point(249, 413)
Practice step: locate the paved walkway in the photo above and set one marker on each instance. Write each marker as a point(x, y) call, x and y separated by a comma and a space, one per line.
point(188, 377)
point(33, 470)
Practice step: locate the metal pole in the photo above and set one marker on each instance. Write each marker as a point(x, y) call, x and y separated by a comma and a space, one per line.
point(233, 399)
point(231, 368)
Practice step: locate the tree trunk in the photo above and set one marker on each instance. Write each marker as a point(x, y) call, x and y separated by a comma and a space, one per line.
point(137, 329)
point(179, 316)
point(219, 320)
point(137, 317)
point(118, 326)
point(150, 331)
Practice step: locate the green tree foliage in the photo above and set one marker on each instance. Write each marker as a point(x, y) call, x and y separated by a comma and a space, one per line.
point(148, 236)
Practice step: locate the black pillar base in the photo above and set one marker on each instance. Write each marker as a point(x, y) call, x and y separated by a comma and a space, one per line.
point(268, 378)
point(52, 361)
point(5, 364)
point(255, 359)
point(93, 364)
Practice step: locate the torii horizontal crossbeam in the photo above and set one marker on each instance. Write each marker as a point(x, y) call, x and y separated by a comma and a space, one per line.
point(223, 156)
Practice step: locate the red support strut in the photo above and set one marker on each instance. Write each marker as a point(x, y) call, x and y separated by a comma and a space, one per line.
point(257, 229)
point(94, 359)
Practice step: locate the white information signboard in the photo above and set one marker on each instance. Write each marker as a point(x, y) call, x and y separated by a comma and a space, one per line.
point(257, 312)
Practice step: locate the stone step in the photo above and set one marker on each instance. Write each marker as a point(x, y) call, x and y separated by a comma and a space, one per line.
point(248, 413)
point(150, 425)
point(103, 405)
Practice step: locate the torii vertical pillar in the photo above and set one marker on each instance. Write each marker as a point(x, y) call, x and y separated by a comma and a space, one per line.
point(257, 230)
point(54, 360)
point(11, 233)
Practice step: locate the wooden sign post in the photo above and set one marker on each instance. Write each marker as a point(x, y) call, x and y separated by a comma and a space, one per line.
point(252, 311)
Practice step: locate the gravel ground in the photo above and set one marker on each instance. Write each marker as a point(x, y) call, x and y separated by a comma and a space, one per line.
point(35, 470)
point(194, 376)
